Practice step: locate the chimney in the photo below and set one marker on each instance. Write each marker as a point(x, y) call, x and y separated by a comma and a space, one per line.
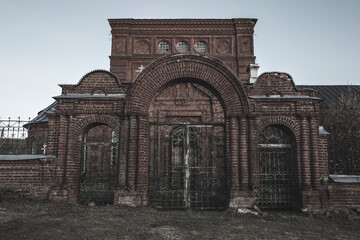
point(252, 71)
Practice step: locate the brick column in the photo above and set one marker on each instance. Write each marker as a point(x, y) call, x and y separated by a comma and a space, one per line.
point(73, 156)
point(123, 152)
point(244, 167)
point(127, 193)
point(62, 150)
point(61, 128)
point(315, 177)
point(227, 159)
point(234, 153)
point(252, 168)
point(133, 153)
point(305, 153)
point(51, 134)
point(143, 153)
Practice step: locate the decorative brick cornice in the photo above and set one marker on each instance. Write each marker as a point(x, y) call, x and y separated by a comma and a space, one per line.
point(131, 21)
point(177, 31)
point(183, 26)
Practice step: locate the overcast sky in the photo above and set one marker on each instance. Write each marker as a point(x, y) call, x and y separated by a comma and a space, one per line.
point(44, 43)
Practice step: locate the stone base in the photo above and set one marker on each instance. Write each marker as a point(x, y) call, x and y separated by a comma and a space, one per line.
point(59, 194)
point(242, 202)
point(132, 199)
point(311, 199)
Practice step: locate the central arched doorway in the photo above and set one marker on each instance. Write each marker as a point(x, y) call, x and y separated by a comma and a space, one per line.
point(187, 168)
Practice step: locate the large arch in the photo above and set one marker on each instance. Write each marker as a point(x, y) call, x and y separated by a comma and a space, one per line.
point(210, 70)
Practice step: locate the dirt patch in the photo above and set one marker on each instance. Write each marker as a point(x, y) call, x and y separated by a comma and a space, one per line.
point(21, 218)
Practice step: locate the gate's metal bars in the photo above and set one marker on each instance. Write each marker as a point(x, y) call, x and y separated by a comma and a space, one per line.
point(187, 169)
point(276, 185)
point(194, 176)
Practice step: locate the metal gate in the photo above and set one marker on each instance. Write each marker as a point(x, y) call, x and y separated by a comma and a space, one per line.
point(98, 170)
point(275, 168)
point(187, 166)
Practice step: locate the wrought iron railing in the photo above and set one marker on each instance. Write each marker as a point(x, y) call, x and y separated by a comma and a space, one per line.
point(13, 129)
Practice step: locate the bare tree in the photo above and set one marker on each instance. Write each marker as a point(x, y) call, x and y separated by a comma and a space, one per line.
point(342, 120)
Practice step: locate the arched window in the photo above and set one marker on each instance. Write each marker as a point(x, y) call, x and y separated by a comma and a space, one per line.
point(34, 147)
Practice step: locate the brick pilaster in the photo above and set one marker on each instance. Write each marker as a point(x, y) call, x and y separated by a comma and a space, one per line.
point(244, 167)
point(305, 153)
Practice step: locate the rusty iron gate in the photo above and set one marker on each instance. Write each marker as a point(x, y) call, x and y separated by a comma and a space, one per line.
point(98, 168)
point(187, 166)
point(275, 169)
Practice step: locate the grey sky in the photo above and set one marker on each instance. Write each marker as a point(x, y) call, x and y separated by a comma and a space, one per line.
point(45, 43)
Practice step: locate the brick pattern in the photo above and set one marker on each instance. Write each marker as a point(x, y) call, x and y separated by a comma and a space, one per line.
point(275, 83)
point(29, 177)
point(95, 82)
point(342, 195)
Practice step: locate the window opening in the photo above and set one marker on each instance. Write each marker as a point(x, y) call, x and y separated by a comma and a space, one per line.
point(182, 47)
point(164, 46)
point(201, 47)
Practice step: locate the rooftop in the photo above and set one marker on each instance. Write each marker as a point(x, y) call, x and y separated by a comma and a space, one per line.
point(332, 93)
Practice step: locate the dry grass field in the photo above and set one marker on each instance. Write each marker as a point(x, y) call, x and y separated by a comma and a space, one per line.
point(22, 218)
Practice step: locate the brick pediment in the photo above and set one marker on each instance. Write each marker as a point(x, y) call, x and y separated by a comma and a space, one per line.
point(277, 84)
point(97, 82)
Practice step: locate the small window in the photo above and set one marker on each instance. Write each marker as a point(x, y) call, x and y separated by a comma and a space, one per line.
point(201, 47)
point(34, 147)
point(182, 47)
point(164, 46)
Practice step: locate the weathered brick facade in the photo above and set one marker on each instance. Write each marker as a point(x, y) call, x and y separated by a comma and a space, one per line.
point(155, 87)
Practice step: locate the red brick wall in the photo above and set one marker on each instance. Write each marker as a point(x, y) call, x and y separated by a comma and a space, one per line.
point(31, 177)
point(344, 195)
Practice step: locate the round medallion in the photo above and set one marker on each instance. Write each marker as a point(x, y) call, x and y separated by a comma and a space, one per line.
point(142, 46)
point(223, 46)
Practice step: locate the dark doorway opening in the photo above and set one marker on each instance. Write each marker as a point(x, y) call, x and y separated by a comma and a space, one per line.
point(98, 170)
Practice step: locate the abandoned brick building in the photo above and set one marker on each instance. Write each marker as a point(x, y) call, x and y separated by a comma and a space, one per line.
point(181, 120)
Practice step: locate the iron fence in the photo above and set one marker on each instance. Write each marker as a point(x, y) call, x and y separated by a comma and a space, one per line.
point(13, 129)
